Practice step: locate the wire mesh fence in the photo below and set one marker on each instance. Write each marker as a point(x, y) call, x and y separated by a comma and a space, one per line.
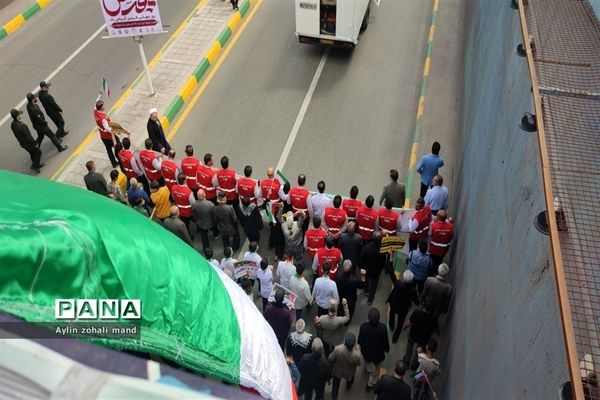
point(565, 45)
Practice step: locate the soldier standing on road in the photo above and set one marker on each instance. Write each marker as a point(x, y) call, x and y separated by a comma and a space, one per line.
point(25, 139)
point(52, 109)
point(40, 124)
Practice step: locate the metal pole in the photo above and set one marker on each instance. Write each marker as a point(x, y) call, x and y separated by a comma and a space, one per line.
point(139, 39)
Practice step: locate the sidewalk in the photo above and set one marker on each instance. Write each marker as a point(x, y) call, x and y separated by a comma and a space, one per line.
point(178, 69)
point(14, 13)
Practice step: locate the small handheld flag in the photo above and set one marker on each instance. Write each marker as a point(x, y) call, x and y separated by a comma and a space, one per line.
point(105, 87)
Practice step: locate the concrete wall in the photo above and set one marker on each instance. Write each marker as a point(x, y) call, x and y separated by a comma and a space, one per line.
point(503, 338)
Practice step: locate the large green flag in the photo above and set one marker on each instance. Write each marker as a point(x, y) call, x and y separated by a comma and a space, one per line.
point(60, 242)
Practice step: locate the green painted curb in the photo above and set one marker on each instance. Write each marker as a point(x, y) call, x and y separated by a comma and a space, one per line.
point(244, 8)
point(3, 33)
point(174, 108)
point(424, 86)
point(177, 103)
point(201, 69)
point(34, 8)
point(224, 36)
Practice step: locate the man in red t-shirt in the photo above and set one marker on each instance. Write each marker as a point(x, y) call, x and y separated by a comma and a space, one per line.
point(366, 219)
point(327, 253)
point(298, 199)
point(350, 205)
point(419, 224)
point(248, 187)
point(442, 233)
point(189, 167)
point(335, 219)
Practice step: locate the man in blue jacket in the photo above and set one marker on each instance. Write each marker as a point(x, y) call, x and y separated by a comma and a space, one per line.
point(428, 167)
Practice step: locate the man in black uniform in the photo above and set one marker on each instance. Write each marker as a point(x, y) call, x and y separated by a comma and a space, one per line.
point(52, 109)
point(40, 124)
point(25, 139)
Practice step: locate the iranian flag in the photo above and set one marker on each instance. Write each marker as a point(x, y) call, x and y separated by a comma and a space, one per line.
point(105, 87)
point(68, 243)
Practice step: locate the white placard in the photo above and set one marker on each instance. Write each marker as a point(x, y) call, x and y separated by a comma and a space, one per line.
point(131, 17)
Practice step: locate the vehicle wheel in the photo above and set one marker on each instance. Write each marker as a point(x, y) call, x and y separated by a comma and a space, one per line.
point(365, 21)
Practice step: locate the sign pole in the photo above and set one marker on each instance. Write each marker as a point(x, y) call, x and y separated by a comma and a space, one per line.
point(139, 40)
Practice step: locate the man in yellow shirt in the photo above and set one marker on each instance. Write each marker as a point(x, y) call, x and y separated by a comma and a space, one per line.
point(160, 195)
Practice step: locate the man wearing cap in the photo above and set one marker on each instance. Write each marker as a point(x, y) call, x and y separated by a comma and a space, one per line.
point(52, 109)
point(40, 124)
point(156, 133)
point(26, 141)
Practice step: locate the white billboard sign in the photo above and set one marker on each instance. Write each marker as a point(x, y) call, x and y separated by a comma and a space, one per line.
point(131, 17)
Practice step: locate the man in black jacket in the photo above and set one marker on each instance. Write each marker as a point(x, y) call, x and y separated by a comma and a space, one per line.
point(402, 295)
point(347, 285)
point(393, 387)
point(94, 181)
point(52, 109)
point(156, 133)
point(39, 123)
point(26, 141)
point(315, 372)
point(373, 262)
point(373, 341)
point(351, 245)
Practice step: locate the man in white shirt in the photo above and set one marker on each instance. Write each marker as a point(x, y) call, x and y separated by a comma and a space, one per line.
point(324, 291)
point(317, 202)
point(252, 255)
point(285, 269)
point(227, 262)
point(299, 286)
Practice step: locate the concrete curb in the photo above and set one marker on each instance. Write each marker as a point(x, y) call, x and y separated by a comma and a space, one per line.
point(18, 21)
point(209, 58)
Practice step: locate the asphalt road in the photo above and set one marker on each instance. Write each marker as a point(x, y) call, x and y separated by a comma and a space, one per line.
point(44, 43)
point(356, 127)
point(358, 123)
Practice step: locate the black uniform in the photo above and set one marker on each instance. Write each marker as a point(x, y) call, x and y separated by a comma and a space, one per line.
point(157, 135)
point(41, 125)
point(54, 112)
point(27, 142)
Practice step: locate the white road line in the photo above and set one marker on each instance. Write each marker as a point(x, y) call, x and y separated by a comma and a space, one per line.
point(57, 70)
point(300, 117)
point(296, 127)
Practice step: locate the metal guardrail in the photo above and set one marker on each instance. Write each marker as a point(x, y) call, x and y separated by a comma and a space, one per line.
point(562, 43)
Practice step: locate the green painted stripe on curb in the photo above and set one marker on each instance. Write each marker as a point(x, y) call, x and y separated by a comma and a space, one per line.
point(244, 8)
point(3, 33)
point(174, 108)
point(224, 36)
point(424, 86)
point(34, 8)
point(201, 69)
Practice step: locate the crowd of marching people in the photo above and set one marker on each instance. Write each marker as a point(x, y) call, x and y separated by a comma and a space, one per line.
point(339, 239)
